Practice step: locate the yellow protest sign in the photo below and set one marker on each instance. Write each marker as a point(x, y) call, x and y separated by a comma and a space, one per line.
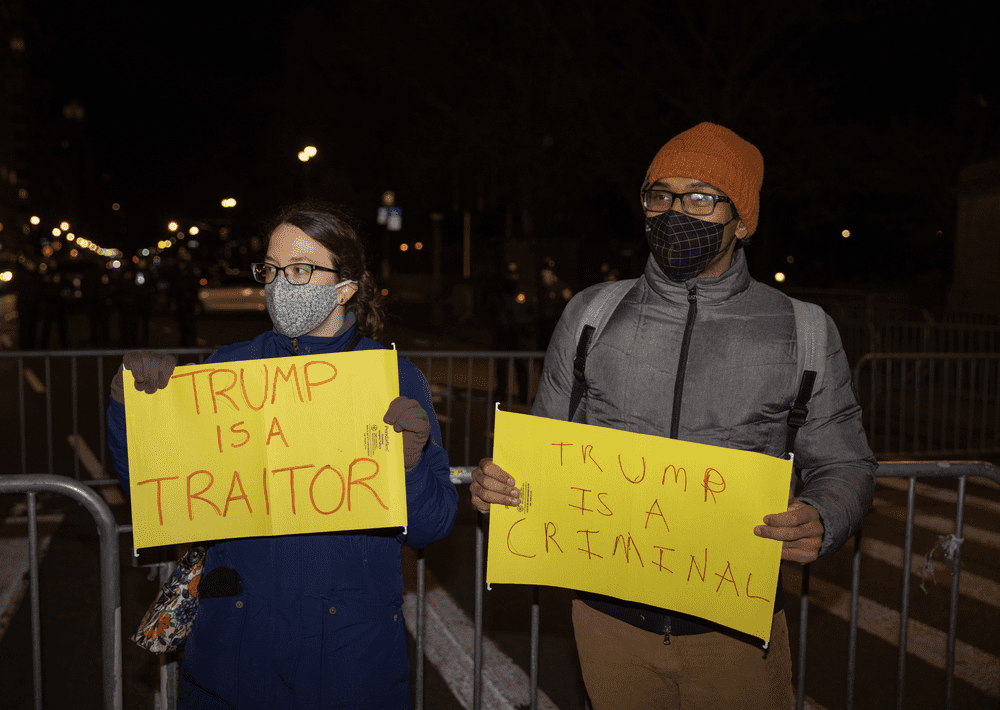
point(653, 520)
point(266, 447)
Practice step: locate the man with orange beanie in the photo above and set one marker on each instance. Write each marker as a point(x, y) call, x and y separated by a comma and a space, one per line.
point(698, 350)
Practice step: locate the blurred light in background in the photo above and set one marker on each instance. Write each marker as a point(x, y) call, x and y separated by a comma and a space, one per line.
point(34, 220)
point(779, 277)
point(173, 226)
point(846, 233)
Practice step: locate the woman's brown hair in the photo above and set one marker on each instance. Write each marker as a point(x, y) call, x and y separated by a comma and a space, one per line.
point(333, 229)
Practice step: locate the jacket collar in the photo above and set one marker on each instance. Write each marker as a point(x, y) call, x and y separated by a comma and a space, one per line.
point(732, 282)
point(312, 344)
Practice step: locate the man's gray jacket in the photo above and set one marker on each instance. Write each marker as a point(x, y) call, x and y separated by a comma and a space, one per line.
point(739, 382)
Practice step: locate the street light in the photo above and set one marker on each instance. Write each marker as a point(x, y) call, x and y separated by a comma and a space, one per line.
point(304, 155)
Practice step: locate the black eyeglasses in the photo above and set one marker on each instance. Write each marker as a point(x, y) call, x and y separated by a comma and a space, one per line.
point(696, 204)
point(298, 274)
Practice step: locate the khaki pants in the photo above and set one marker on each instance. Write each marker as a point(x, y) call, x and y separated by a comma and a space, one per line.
point(625, 667)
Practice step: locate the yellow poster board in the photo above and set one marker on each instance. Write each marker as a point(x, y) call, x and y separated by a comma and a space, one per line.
point(638, 517)
point(266, 447)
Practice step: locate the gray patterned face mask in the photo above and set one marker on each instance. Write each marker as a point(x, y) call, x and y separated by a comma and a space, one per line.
point(297, 309)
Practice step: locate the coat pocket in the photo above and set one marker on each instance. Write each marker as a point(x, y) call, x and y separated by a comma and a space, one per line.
point(364, 657)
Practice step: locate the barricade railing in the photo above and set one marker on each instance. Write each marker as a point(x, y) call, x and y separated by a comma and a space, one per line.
point(934, 337)
point(930, 405)
point(913, 470)
point(107, 528)
point(112, 633)
point(111, 606)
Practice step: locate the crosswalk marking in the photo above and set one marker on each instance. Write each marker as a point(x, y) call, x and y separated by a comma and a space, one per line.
point(93, 467)
point(942, 494)
point(15, 562)
point(449, 637)
point(972, 665)
point(938, 524)
point(33, 381)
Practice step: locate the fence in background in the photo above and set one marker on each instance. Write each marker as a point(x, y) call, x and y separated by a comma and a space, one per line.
point(932, 405)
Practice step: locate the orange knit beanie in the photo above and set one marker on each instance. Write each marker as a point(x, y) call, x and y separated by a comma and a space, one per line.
point(721, 158)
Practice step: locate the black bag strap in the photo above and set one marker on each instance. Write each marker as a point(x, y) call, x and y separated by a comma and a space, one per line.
point(797, 414)
point(353, 342)
point(579, 370)
point(810, 333)
point(595, 317)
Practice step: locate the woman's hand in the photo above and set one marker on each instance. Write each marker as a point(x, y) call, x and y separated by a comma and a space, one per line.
point(406, 415)
point(491, 484)
point(151, 371)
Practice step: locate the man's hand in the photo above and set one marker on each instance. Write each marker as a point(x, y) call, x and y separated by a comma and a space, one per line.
point(151, 371)
point(407, 416)
point(491, 484)
point(799, 528)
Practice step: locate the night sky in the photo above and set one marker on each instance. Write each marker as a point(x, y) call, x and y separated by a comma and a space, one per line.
point(539, 117)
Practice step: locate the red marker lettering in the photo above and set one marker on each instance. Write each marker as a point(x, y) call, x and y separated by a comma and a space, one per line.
point(343, 490)
point(237, 481)
point(310, 385)
point(246, 398)
point(159, 489)
point(351, 481)
point(197, 496)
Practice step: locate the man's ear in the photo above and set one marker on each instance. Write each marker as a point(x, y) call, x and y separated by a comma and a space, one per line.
point(741, 230)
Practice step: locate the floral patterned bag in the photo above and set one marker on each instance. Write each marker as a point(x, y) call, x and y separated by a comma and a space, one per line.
point(169, 619)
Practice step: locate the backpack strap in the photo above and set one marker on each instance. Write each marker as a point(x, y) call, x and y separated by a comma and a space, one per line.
point(810, 332)
point(594, 319)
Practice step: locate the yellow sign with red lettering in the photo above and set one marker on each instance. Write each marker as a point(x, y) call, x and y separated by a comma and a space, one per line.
point(638, 517)
point(266, 447)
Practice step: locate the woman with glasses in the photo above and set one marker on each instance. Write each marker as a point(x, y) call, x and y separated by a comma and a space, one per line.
point(309, 620)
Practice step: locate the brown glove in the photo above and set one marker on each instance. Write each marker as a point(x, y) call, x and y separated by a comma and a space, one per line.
point(406, 415)
point(151, 371)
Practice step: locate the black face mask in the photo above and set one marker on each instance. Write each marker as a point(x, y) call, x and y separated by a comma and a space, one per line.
point(683, 245)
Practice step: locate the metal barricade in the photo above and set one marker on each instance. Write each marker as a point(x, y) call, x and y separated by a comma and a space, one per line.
point(912, 387)
point(111, 654)
point(913, 470)
point(932, 405)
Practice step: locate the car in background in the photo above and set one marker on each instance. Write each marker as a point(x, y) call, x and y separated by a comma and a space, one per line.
point(240, 294)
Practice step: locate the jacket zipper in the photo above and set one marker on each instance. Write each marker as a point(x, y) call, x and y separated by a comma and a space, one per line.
point(675, 417)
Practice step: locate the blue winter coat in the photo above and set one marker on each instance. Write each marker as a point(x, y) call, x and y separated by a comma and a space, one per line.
point(317, 621)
